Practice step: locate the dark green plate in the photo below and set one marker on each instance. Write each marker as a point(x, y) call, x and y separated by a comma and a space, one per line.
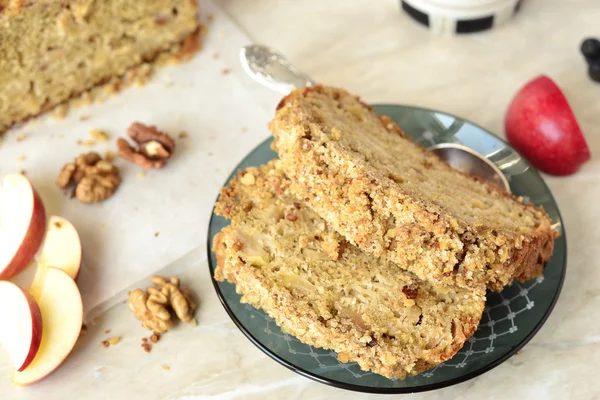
point(511, 318)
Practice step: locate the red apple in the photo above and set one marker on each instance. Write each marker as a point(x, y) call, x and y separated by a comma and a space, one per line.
point(62, 314)
point(21, 332)
point(541, 126)
point(22, 224)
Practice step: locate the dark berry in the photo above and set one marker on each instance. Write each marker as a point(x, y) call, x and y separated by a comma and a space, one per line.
point(594, 71)
point(590, 48)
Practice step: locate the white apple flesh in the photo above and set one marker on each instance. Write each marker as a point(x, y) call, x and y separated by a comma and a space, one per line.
point(62, 313)
point(22, 224)
point(21, 328)
point(62, 246)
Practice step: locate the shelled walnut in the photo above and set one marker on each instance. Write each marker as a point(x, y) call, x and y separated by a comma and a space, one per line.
point(94, 179)
point(153, 147)
point(155, 306)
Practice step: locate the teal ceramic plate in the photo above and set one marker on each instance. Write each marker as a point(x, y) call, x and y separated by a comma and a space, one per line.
point(511, 318)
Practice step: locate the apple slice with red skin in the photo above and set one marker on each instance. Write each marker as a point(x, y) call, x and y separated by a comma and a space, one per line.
point(21, 332)
point(62, 313)
point(541, 125)
point(22, 224)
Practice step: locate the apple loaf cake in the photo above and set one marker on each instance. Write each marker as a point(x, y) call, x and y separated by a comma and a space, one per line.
point(392, 198)
point(284, 259)
point(52, 50)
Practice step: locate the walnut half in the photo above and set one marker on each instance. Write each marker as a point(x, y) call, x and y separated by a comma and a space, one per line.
point(95, 179)
point(153, 147)
point(153, 307)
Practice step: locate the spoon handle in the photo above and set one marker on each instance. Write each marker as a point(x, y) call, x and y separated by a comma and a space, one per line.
point(271, 69)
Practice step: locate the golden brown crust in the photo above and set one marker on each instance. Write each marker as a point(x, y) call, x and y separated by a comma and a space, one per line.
point(219, 249)
point(285, 260)
point(394, 199)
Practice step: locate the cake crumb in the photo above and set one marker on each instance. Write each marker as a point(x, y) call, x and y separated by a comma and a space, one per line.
point(155, 337)
point(87, 98)
point(60, 112)
point(147, 347)
point(86, 143)
point(114, 340)
point(106, 332)
point(21, 158)
point(109, 156)
point(225, 71)
point(244, 129)
point(182, 135)
point(211, 18)
point(23, 172)
point(98, 135)
point(112, 87)
point(141, 174)
point(165, 367)
point(101, 225)
point(105, 344)
point(21, 137)
point(156, 234)
point(215, 56)
point(84, 118)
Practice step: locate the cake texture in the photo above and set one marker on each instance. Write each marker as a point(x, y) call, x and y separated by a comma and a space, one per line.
point(53, 50)
point(284, 259)
point(393, 199)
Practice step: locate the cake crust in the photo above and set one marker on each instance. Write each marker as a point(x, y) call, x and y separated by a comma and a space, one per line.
point(318, 287)
point(391, 198)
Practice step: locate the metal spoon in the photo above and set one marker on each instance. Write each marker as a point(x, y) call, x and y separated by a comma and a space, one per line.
point(271, 69)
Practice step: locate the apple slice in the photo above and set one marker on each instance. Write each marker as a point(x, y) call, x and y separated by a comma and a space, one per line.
point(541, 125)
point(22, 224)
point(61, 249)
point(21, 332)
point(62, 314)
point(62, 246)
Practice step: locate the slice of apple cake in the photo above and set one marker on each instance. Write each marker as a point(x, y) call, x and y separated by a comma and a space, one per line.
point(391, 198)
point(284, 259)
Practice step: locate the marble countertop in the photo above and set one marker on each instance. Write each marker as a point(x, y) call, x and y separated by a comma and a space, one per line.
point(373, 50)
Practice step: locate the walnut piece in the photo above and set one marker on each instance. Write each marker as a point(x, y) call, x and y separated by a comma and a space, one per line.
point(154, 306)
point(153, 147)
point(95, 179)
point(130, 154)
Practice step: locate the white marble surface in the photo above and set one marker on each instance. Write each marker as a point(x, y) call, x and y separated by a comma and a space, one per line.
point(372, 50)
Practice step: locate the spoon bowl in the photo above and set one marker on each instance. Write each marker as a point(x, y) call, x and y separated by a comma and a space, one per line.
point(468, 160)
